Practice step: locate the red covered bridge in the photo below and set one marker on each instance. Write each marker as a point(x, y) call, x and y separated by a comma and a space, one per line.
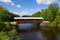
point(37, 20)
point(28, 20)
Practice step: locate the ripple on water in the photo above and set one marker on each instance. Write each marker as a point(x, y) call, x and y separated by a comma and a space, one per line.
point(37, 35)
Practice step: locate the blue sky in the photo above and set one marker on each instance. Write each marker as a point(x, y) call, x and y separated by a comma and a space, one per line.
point(26, 7)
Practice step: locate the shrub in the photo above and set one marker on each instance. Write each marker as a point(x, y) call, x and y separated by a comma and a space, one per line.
point(4, 36)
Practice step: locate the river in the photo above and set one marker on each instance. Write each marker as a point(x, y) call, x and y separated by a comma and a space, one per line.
point(36, 35)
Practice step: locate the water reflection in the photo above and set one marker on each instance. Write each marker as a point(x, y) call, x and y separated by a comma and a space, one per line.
point(35, 35)
point(25, 25)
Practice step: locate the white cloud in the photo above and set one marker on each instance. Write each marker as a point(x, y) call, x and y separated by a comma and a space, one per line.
point(6, 1)
point(32, 10)
point(11, 2)
point(16, 13)
point(38, 9)
point(35, 10)
point(18, 6)
point(45, 1)
point(24, 13)
point(28, 11)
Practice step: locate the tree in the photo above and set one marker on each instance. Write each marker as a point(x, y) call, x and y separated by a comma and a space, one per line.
point(12, 15)
point(5, 15)
point(48, 14)
point(54, 8)
point(2, 25)
point(26, 16)
point(4, 36)
point(5, 18)
point(37, 14)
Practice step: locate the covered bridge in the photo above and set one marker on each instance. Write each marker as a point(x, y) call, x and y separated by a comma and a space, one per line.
point(24, 20)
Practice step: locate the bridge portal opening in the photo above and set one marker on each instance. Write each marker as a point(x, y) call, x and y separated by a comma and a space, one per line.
point(26, 25)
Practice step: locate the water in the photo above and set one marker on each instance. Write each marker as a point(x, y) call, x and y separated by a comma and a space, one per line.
point(25, 25)
point(58, 37)
point(36, 35)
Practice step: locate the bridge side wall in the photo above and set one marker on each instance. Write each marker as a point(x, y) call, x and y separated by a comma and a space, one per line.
point(29, 21)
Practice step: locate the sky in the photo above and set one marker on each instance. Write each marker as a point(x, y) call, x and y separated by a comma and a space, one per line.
point(26, 7)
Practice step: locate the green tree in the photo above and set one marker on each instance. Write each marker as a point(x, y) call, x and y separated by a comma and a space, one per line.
point(13, 35)
point(37, 14)
point(50, 13)
point(4, 36)
point(2, 25)
point(12, 15)
point(5, 15)
point(54, 8)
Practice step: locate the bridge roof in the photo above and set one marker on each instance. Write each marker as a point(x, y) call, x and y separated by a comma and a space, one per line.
point(28, 18)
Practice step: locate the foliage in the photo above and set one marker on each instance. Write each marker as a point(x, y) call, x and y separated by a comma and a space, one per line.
point(6, 33)
point(12, 16)
point(52, 14)
point(7, 27)
point(37, 14)
point(2, 25)
point(56, 22)
point(48, 14)
point(4, 36)
point(5, 15)
point(13, 35)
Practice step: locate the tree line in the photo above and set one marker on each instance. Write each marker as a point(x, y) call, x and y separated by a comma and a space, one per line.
point(6, 33)
point(51, 14)
point(6, 15)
